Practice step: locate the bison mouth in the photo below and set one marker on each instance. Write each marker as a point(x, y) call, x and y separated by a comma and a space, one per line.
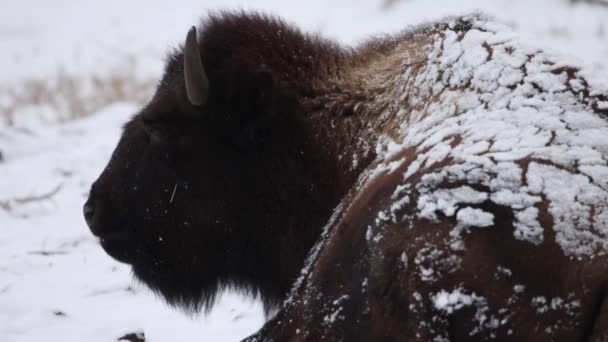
point(119, 247)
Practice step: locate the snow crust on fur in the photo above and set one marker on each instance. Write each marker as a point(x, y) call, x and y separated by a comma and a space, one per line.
point(516, 125)
point(489, 121)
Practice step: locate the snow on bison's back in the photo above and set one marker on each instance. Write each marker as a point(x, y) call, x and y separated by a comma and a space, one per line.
point(466, 175)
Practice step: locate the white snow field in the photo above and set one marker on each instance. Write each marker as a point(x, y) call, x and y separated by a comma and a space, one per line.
point(56, 283)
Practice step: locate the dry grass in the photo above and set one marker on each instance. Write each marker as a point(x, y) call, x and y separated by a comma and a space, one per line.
point(8, 204)
point(68, 96)
point(593, 2)
point(388, 4)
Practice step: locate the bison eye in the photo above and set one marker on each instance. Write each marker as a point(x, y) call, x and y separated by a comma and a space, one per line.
point(172, 138)
point(155, 131)
point(155, 135)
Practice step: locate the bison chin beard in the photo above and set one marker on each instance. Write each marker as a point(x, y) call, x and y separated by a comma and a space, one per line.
point(195, 288)
point(184, 286)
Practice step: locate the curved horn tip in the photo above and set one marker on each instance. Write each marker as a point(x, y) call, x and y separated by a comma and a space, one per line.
point(191, 33)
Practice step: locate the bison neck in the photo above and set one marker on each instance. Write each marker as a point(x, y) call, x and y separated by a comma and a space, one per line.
point(306, 180)
point(323, 154)
point(295, 202)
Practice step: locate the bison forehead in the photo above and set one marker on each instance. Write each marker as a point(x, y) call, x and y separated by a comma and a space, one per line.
point(512, 127)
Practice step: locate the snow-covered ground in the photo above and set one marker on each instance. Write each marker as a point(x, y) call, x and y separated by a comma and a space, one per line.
point(56, 284)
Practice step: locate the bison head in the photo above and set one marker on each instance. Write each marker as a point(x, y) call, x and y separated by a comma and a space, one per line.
point(217, 182)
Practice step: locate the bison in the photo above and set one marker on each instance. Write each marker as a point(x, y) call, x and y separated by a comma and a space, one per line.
point(442, 184)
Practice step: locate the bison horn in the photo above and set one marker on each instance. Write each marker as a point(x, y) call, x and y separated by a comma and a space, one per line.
point(197, 85)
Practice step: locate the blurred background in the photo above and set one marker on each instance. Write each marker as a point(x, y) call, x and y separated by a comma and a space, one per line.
point(72, 71)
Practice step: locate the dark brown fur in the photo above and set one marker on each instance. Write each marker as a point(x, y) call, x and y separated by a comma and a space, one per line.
point(256, 174)
point(384, 292)
point(235, 193)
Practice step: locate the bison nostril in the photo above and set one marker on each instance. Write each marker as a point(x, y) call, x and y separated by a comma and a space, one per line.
point(88, 212)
